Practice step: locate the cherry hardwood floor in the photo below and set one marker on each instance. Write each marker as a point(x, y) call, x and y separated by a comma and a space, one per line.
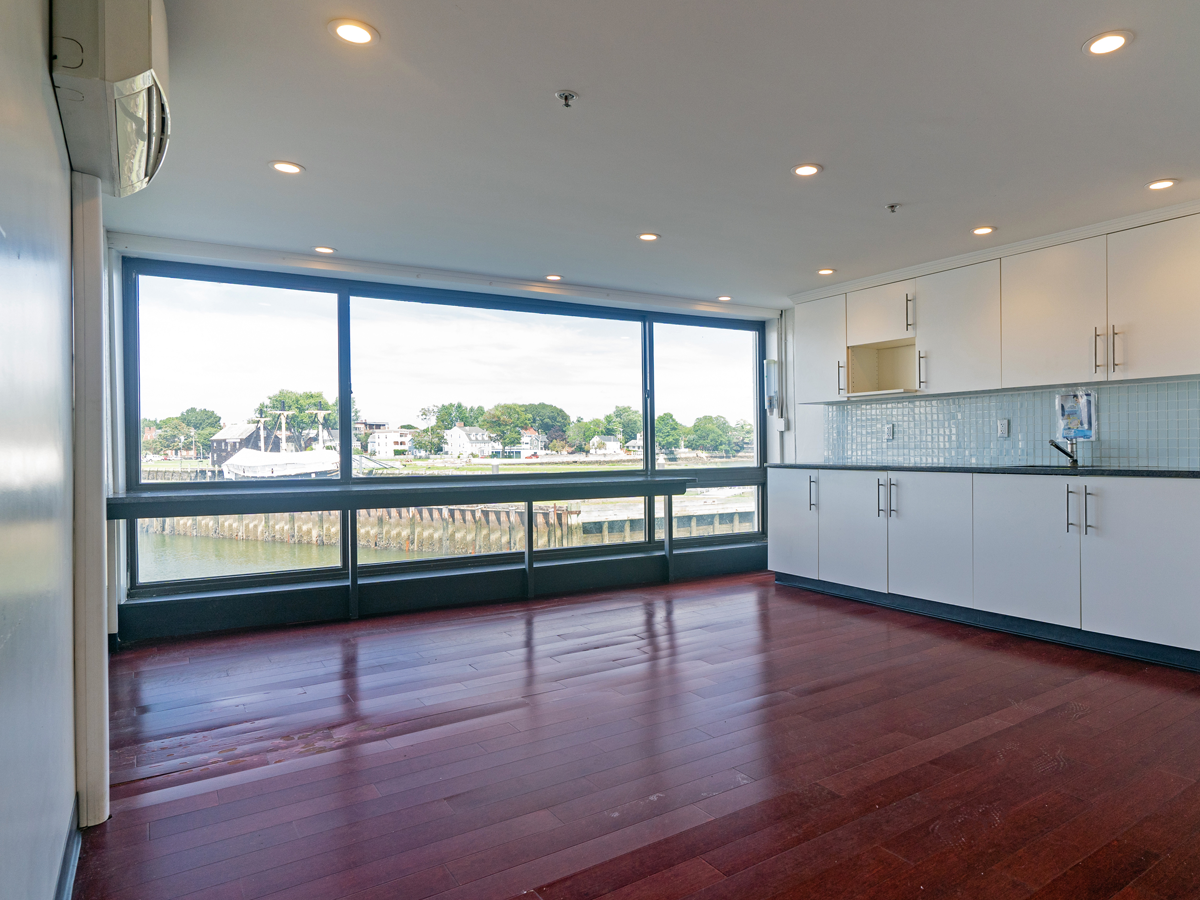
point(725, 738)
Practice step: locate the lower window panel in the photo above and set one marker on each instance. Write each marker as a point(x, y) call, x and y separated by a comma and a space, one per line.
point(184, 547)
point(703, 512)
point(583, 523)
point(438, 532)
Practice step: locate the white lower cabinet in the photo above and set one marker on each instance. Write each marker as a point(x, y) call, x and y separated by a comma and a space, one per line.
point(853, 549)
point(1114, 556)
point(929, 536)
point(1140, 566)
point(792, 497)
point(1027, 546)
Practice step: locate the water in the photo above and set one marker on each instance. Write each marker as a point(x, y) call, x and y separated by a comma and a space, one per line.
point(172, 557)
point(169, 557)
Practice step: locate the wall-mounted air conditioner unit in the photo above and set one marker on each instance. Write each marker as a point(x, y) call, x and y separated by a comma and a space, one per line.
point(110, 73)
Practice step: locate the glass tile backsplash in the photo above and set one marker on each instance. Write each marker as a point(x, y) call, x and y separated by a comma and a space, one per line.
point(1140, 426)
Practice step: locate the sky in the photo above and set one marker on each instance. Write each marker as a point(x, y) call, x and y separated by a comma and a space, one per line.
point(228, 347)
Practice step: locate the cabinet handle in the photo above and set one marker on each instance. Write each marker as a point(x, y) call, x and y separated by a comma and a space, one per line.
point(841, 366)
point(921, 381)
point(1069, 522)
point(878, 506)
point(1086, 525)
point(1095, 355)
point(909, 324)
point(891, 507)
point(810, 496)
point(1113, 356)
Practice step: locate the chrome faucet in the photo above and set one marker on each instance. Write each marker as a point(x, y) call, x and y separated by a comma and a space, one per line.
point(1067, 451)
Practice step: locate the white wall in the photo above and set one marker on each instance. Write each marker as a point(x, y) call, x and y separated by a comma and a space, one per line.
point(37, 768)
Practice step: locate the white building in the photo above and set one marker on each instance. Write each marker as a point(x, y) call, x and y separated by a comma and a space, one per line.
point(464, 440)
point(392, 442)
point(605, 443)
point(636, 444)
point(533, 441)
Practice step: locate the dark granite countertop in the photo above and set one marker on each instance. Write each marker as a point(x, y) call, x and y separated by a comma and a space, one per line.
point(1088, 471)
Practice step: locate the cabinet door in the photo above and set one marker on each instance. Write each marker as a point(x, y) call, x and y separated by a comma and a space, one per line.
point(929, 536)
point(821, 350)
point(1026, 554)
point(792, 526)
point(957, 316)
point(1154, 299)
point(880, 314)
point(1054, 303)
point(853, 522)
point(1140, 567)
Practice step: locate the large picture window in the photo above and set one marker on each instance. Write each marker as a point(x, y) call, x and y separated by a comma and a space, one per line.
point(706, 396)
point(243, 385)
point(444, 390)
point(236, 382)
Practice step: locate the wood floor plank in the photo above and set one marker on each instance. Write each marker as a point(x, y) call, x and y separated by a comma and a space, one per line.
point(723, 738)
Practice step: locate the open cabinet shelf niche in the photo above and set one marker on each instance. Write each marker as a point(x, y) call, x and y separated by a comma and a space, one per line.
point(883, 367)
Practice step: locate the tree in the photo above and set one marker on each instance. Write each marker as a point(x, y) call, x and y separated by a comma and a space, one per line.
point(504, 422)
point(743, 436)
point(448, 415)
point(625, 422)
point(301, 422)
point(580, 434)
point(173, 435)
point(548, 419)
point(430, 440)
point(558, 446)
point(711, 434)
point(206, 422)
point(667, 432)
point(200, 418)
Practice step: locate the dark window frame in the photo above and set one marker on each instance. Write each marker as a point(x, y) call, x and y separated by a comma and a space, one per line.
point(134, 266)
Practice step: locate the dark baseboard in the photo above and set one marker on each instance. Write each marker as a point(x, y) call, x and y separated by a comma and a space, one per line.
point(721, 559)
point(1144, 651)
point(177, 615)
point(70, 859)
point(227, 610)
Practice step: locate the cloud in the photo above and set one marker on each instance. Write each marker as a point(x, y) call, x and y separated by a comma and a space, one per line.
point(227, 347)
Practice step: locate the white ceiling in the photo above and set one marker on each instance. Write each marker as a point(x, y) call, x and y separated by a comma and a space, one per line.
point(443, 145)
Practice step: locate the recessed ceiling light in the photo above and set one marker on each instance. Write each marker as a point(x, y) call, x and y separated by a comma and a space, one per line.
point(649, 236)
point(554, 278)
point(325, 249)
point(1162, 184)
point(1107, 42)
point(353, 32)
point(287, 168)
point(826, 271)
point(806, 169)
point(983, 229)
point(724, 298)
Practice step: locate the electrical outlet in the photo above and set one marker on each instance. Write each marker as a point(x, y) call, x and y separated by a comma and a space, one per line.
point(889, 431)
point(1002, 428)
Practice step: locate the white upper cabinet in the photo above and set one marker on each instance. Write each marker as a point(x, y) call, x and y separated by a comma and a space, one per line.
point(1055, 314)
point(1154, 299)
point(957, 318)
point(820, 343)
point(792, 497)
point(880, 314)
